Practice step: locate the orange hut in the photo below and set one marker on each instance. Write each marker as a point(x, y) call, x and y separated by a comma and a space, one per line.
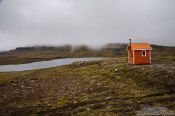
point(139, 53)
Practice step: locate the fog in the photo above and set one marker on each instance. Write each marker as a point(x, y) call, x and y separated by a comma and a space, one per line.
point(91, 22)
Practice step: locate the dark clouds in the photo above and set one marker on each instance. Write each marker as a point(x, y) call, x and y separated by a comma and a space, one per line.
point(92, 22)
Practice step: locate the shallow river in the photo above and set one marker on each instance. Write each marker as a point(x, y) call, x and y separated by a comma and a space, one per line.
point(43, 64)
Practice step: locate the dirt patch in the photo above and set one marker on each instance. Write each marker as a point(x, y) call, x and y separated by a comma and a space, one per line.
point(37, 90)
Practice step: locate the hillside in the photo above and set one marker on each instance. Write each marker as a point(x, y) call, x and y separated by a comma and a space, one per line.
point(109, 87)
point(40, 53)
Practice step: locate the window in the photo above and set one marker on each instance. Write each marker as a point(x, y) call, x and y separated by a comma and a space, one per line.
point(143, 52)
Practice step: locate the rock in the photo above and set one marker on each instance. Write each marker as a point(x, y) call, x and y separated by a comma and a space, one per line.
point(92, 81)
point(108, 97)
point(116, 70)
point(123, 85)
point(22, 86)
point(88, 109)
point(75, 102)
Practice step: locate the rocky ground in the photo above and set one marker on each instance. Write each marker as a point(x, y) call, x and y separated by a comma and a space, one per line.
point(109, 87)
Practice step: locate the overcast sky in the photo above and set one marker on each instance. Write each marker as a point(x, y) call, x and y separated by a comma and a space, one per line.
point(92, 22)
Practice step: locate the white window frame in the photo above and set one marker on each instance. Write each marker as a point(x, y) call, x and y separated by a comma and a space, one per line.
point(143, 52)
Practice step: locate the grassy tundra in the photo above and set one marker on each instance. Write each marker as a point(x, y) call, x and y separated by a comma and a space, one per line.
point(108, 87)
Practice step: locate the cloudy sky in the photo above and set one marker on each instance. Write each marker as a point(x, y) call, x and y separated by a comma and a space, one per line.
point(92, 22)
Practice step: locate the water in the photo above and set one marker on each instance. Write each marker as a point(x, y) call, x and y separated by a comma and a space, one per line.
point(43, 64)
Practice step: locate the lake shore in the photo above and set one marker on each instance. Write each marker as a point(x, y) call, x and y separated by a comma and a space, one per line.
point(45, 64)
point(34, 54)
point(110, 87)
